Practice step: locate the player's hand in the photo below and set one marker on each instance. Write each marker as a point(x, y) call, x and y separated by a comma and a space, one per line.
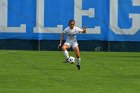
point(84, 30)
point(59, 46)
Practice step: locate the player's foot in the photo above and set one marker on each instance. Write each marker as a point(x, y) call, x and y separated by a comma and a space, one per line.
point(66, 61)
point(78, 66)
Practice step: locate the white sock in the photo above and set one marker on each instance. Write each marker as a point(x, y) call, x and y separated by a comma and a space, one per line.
point(66, 54)
point(78, 60)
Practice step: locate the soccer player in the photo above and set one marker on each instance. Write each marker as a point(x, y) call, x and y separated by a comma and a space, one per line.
point(71, 41)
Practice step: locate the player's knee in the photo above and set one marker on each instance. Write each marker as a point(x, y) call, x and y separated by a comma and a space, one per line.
point(63, 48)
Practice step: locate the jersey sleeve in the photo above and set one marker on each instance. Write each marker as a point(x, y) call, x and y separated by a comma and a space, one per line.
point(64, 31)
point(79, 30)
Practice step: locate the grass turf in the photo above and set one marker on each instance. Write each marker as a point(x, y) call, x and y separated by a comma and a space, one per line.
point(44, 72)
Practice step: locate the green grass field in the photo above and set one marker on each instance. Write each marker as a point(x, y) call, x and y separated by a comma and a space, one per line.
point(44, 72)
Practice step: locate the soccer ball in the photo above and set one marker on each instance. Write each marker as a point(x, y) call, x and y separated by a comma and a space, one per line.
point(71, 59)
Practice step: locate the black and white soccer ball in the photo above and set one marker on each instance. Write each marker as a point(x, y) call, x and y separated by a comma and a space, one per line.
point(71, 59)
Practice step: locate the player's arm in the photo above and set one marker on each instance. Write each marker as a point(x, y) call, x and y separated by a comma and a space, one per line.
point(61, 39)
point(82, 30)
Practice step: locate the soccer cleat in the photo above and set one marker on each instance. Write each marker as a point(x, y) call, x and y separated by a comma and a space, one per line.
point(66, 61)
point(78, 66)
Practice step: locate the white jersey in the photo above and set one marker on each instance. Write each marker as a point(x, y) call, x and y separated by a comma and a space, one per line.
point(71, 33)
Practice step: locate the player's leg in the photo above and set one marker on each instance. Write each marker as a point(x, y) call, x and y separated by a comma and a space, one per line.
point(66, 53)
point(77, 53)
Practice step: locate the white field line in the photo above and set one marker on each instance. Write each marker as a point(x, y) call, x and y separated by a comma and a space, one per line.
point(7, 52)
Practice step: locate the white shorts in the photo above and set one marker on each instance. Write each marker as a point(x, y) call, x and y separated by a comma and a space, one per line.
point(71, 44)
